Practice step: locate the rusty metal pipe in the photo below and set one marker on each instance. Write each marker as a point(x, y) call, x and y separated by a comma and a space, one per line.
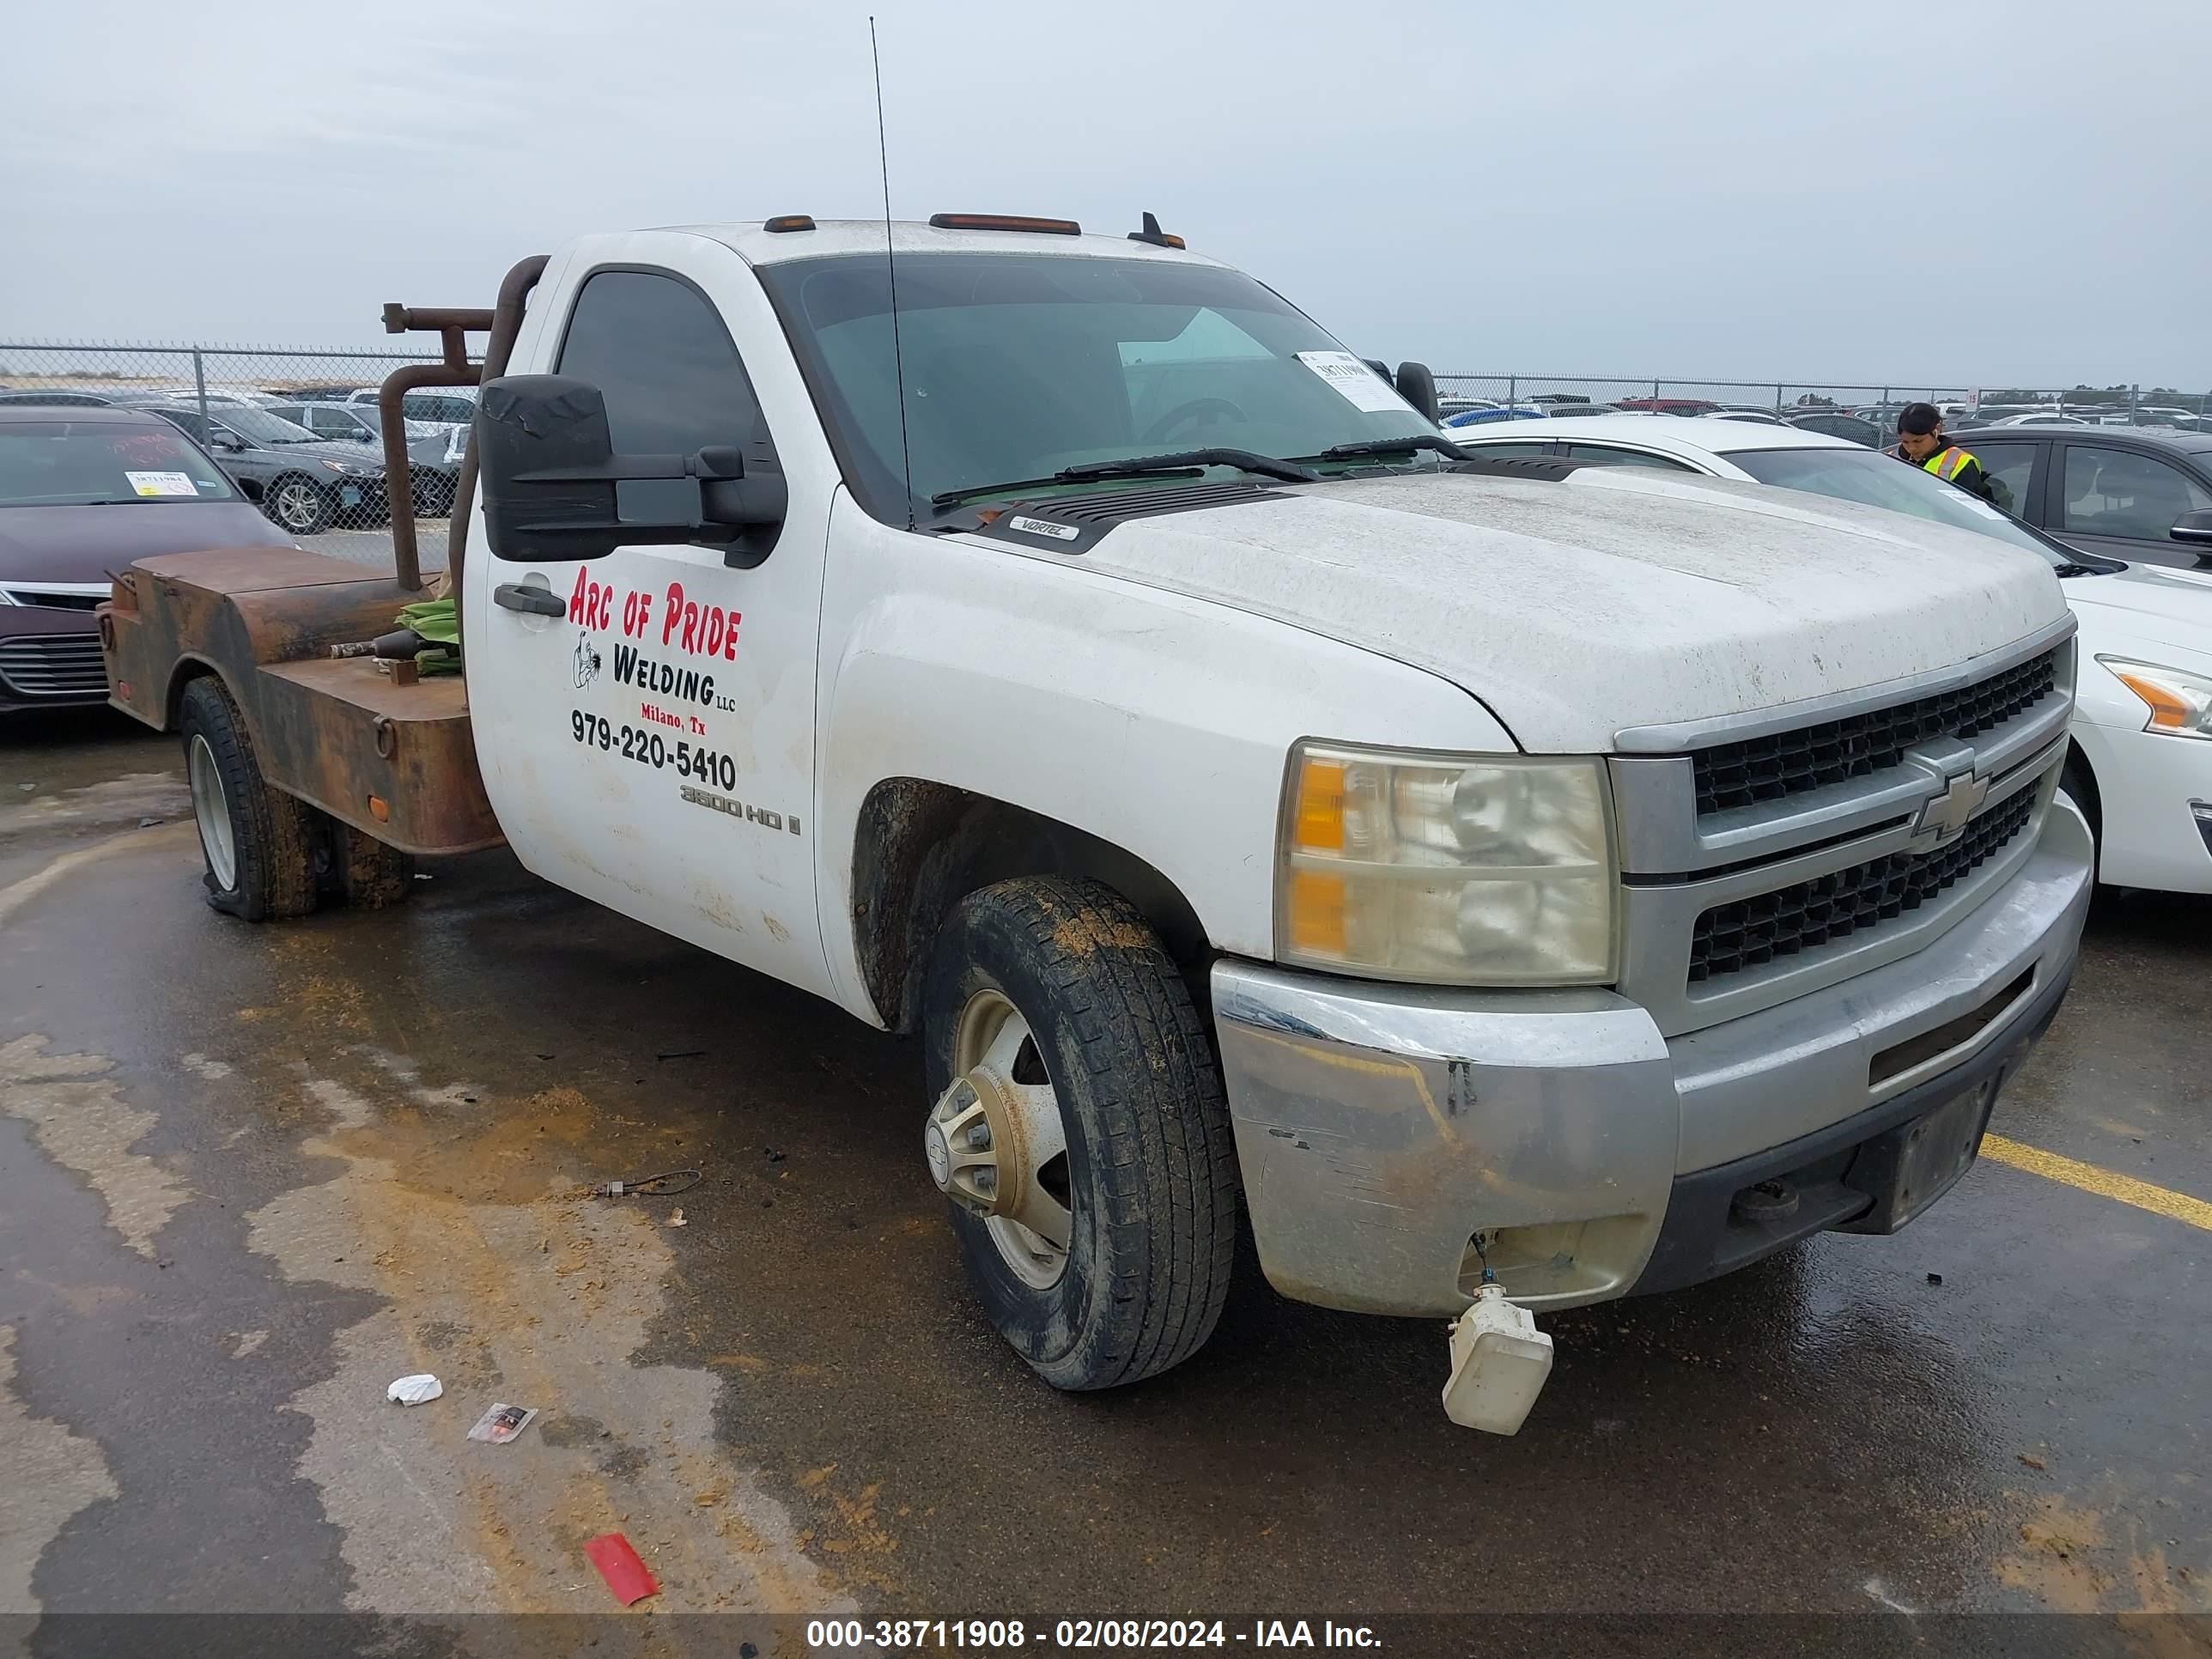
point(398, 473)
point(434, 319)
point(451, 324)
point(506, 324)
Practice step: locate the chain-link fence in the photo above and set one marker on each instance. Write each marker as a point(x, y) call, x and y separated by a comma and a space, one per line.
point(296, 432)
point(1867, 412)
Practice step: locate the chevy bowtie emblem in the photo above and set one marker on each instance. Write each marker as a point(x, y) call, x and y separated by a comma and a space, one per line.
point(1946, 815)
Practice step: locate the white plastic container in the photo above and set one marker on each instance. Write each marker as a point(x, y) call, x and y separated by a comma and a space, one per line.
point(1499, 1363)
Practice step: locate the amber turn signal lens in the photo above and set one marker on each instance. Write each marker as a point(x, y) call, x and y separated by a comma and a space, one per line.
point(1319, 826)
point(2168, 712)
point(1317, 913)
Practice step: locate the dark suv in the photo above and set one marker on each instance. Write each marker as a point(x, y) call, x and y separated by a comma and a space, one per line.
point(2111, 490)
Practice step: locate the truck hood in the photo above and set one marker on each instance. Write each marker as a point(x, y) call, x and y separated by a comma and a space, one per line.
point(1618, 597)
point(2145, 605)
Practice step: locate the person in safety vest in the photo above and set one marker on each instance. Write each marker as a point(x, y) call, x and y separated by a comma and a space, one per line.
point(1921, 443)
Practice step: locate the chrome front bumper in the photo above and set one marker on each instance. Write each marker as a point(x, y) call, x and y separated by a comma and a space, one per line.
point(1380, 1127)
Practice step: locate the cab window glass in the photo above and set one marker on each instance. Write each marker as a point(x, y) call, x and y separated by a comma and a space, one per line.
point(658, 351)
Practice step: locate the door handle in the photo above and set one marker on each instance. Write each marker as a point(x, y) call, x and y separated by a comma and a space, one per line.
point(535, 600)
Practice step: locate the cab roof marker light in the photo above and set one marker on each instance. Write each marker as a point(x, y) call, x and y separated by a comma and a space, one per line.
point(786, 221)
point(1004, 221)
point(1152, 234)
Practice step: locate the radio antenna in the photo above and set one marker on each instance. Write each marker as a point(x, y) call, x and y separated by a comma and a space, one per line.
point(890, 267)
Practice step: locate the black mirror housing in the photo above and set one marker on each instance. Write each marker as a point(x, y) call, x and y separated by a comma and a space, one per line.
point(552, 482)
point(1418, 387)
point(2195, 528)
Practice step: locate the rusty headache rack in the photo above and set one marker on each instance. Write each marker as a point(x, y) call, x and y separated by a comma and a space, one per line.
point(503, 322)
point(392, 756)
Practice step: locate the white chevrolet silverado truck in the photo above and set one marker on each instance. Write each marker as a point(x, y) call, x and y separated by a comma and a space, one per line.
point(1511, 882)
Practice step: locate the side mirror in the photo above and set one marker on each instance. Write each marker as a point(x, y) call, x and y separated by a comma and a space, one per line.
point(1418, 387)
point(2195, 528)
point(555, 488)
point(223, 440)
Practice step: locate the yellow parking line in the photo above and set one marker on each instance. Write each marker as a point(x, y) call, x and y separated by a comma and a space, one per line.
point(2106, 1183)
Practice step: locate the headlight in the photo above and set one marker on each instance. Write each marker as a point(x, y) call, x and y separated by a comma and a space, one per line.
point(351, 468)
point(2180, 702)
point(1447, 869)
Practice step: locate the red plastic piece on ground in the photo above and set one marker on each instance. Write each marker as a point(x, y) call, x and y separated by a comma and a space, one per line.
point(630, 1578)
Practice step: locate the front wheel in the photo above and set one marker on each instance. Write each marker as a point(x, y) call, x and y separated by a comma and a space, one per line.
point(1079, 1131)
point(300, 505)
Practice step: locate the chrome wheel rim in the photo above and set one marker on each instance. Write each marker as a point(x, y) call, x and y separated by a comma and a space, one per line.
point(211, 811)
point(996, 1145)
point(297, 503)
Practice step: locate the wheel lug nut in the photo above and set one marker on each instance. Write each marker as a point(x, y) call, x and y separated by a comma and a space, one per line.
point(979, 1137)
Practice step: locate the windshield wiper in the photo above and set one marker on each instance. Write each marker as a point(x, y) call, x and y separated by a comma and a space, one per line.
point(2062, 571)
point(1391, 447)
point(1179, 462)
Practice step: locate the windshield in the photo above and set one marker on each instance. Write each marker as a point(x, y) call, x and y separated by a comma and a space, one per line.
point(1879, 480)
point(78, 463)
point(258, 426)
point(1019, 365)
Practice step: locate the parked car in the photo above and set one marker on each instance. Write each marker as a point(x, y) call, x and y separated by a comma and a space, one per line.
point(2139, 764)
point(1833, 423)
point(2114, 490)
point(85, 490)
point(49, 397)
point(2039, 418)
point(433, 478)
point(304, 483)
point(1499, 412)
point(1744, 412)
point(1667, 405)
point(446, 407)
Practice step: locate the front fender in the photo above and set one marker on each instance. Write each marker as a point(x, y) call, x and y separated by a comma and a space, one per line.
point(1158, 723)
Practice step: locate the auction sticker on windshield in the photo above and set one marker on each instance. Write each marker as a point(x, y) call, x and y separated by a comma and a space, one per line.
point(162, 483)
point(1360, 386)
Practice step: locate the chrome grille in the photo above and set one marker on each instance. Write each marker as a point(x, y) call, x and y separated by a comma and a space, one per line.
point(1785, 763)
point(55, 601)
point(1752, 932)
point(53, 666)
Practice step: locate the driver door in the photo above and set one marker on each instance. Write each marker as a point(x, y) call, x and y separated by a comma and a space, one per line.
point(652, 746)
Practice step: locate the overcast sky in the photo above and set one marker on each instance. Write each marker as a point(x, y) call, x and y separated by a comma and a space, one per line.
point(1960, 193)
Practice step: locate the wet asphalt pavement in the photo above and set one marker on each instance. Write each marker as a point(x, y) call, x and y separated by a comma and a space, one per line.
point(248, 1176)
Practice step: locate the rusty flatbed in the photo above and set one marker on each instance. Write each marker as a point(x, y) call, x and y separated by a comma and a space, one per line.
point(397, 761)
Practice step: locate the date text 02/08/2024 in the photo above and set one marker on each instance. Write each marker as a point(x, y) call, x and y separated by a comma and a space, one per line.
point(1008, 1635)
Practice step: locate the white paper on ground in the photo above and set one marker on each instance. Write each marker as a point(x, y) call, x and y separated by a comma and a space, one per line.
point(416, 1390)
point(1360, 385)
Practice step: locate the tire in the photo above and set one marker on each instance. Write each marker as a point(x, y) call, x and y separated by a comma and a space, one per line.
point(2075, 781)
point(258, 842)
point(366, 874)
point(297, 503)
point(1149, 1168)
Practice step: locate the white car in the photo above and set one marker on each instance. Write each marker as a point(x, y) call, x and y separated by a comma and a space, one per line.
point(2141, 760)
